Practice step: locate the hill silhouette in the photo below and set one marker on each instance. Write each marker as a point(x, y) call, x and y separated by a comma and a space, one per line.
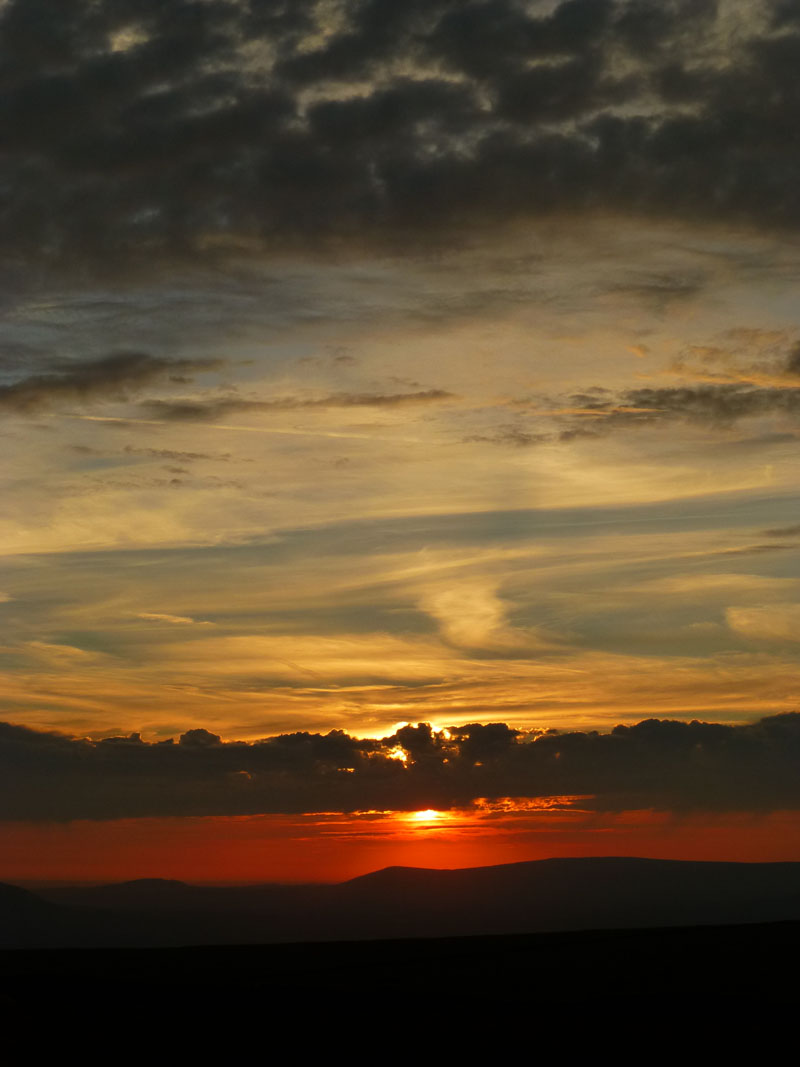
point(405, 902)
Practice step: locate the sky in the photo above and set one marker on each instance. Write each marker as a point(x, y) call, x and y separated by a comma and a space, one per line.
point(400, 407)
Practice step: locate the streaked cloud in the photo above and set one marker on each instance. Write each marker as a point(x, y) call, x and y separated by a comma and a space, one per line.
point(773, 622)
point(220, 408)
point(115, 376)
point(176, 620)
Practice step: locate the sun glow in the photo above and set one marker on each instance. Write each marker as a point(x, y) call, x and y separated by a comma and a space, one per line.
point(429, 815)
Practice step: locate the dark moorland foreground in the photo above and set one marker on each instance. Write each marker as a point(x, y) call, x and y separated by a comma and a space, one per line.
point(617, 927)
point(683, 966)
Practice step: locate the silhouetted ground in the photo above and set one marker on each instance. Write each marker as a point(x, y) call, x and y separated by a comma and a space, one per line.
point(479, 950)
point(395, 979)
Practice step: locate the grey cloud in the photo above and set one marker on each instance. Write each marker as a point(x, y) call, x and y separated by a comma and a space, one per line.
point(484, 39)
point(784, 531)
point(200, 738)
point(597, 412)
point(197, 410)
point(512, 436)
point(718, 404)
point(173, 454)
point(793, 360)
point(577, 433)
point(562, 91)
point(661, 289)
point(179, 143)
point(753, 444)
point(81, 381)
point(747, 550)
point(389, 117)
point(653, 28)
point(216, 408)
point(659, 764)
point(785, 13)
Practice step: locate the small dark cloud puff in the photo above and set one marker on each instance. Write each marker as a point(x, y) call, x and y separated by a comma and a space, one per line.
point(81, 381)
point(139, 133)
point(658, 764)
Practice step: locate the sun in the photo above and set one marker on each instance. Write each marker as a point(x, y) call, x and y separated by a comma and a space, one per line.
point(427, 816)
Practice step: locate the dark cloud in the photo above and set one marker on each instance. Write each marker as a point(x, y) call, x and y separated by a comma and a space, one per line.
point(661, 289)
point(139, 133)
point(119, 374)
point(725, 403)
point(660, 764)
point(81, 381)
point(784, 531)
point(793, 360)
point(577, 433)
point(556, 92)
point(749, 550)
point(765, 440)
point(511, 436)
point(786, 12)
point(720, 405)
point(649, 28)
point(198, 410)
point(598, 412)
point(194, 410)
point(181, 457)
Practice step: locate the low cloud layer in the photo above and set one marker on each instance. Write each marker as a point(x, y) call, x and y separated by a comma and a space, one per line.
point(655, 764)
point(139, 131)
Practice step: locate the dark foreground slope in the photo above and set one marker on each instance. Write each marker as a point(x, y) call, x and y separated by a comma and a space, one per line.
point(540, 946)
point(541, 896)
point(465, 983)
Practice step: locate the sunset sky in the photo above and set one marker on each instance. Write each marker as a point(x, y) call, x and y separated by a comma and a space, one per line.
point(368, 363)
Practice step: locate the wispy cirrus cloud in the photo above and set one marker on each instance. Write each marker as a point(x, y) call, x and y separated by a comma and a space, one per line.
point(172, 620)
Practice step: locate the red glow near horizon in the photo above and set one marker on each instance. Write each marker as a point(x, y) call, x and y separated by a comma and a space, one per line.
point(331, 847)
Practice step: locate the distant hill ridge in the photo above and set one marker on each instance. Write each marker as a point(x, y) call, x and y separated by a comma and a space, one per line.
point(566, 863)
point(150, 883)
point(614, 892)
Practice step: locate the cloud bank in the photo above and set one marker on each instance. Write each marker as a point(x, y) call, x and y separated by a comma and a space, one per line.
point(655, 764)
